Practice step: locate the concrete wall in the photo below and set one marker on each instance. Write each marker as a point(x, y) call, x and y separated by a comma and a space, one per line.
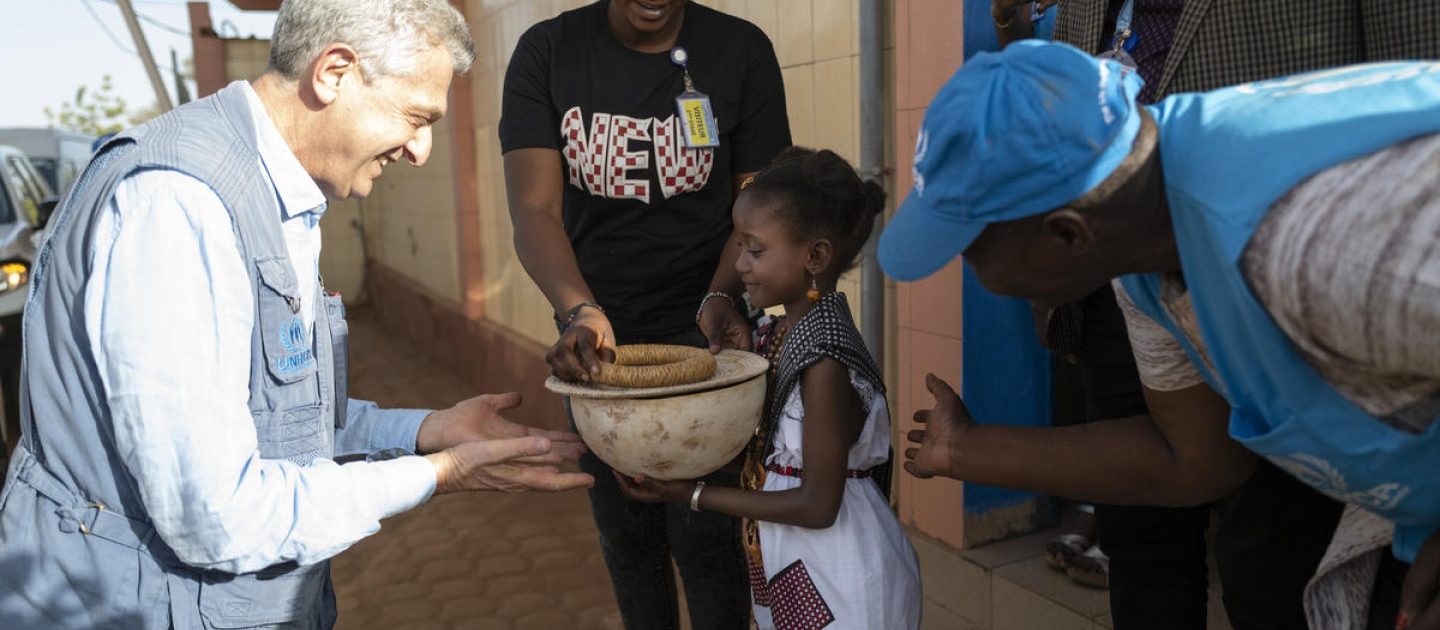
point(511, 300)
point(245, 58)
point(929, 49)
point(409, 222)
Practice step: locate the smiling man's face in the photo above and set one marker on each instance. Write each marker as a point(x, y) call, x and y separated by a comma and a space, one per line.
point(382, 121)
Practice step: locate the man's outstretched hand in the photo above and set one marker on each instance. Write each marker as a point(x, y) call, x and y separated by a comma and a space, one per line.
point(473, 447)
point(940, 433)
point(479, 418)
point(500, 465)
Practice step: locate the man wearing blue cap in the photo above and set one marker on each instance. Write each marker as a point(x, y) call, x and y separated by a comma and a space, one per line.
point(1276, 247)
point(1273, 530)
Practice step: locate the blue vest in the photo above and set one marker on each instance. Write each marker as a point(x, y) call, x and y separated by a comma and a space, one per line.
point(1227, 156)
point(76, 547)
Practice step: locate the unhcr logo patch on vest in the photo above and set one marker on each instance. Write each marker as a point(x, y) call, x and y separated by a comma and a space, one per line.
point(295, 339)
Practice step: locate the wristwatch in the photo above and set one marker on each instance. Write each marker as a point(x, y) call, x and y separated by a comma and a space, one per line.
point(389, 453)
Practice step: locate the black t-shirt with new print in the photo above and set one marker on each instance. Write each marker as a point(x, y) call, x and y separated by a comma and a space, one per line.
point(647, 216)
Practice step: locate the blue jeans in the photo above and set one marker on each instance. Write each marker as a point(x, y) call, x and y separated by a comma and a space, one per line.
point(638, 540)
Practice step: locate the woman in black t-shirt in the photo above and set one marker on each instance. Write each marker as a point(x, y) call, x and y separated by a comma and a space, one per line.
point(624, 227)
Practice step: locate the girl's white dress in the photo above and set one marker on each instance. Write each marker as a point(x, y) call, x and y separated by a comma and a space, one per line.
point(860, 572)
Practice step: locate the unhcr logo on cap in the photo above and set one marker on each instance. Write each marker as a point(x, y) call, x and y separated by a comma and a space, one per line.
point(1105, 113)
point(922, 146)
point(1017, 133)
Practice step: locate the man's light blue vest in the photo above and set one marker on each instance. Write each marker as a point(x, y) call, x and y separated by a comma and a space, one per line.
point(1227, 156)
point(76, 548)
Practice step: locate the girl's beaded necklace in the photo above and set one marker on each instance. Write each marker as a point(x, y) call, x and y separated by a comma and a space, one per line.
point(752, 477)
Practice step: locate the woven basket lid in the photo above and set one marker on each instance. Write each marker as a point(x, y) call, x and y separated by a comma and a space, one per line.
point(731, 367)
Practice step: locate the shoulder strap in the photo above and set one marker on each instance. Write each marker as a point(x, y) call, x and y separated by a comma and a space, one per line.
point(826, 331)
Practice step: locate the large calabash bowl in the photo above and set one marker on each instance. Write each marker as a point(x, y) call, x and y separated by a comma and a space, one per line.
point(675, 432)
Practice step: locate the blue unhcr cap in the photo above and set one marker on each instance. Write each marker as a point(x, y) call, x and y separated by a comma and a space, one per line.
point(1010, 135)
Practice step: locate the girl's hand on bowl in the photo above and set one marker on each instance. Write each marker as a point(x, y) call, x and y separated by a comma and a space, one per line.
point(649, 490)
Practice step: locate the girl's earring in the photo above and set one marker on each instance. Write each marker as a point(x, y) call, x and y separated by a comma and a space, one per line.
point(814, 293)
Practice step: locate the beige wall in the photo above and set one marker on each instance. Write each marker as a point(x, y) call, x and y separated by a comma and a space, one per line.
point(510, 298)
point(816, 42)
point(342, 253)
point(245, 58)
point(928, 315)
point(409, 222)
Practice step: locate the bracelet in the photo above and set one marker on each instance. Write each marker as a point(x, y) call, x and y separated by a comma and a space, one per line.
point(695, 496)
point(706, 300)
point(575, 310)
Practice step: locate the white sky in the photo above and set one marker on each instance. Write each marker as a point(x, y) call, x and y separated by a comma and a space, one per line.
point(48, 48)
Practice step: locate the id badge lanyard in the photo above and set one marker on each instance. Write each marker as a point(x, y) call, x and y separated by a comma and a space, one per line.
point(1125, 38)
point(697, 118)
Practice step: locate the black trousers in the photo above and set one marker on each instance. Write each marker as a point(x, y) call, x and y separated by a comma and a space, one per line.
point(1272, 533)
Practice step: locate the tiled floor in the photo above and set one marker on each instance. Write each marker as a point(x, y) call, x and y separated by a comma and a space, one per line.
point(475, 561)
point(1008, 586)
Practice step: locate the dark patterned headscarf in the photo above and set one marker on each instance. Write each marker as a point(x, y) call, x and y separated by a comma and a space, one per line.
point(826, 331)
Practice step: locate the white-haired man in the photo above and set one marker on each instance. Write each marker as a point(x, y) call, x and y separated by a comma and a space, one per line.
point(184, 390)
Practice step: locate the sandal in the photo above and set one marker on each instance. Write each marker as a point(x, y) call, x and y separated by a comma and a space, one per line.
point(1060, 550)
point(1091, 568)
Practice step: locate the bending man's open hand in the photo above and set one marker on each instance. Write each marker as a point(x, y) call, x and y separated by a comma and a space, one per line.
point(939, 433)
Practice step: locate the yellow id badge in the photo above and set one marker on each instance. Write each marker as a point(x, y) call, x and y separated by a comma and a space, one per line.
point(697, 120)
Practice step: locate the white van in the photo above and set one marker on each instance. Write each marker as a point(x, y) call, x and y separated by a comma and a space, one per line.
point(58, 154)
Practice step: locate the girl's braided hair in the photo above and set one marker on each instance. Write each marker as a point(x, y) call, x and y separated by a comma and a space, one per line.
point(820, 196)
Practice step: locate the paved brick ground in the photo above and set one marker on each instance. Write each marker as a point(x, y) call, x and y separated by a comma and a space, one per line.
point(478, 561)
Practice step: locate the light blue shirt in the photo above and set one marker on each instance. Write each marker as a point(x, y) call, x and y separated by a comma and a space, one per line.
point(169, 312)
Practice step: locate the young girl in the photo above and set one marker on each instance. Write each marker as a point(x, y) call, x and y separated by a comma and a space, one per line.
point(825, 549)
